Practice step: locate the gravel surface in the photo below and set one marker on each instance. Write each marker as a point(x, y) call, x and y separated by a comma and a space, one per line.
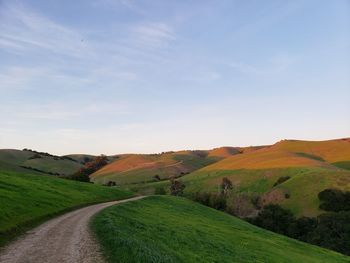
point(65, 239)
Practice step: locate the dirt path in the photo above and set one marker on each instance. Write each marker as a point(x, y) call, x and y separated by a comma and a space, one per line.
point(65, 239)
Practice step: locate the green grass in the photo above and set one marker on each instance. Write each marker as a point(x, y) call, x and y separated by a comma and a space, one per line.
point(26, 199)
point(303, 187)
point(47, 164)
point(343, 165)
point(169, 229)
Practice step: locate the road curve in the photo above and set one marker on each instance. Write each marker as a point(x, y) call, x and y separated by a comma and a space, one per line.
point(65, 239)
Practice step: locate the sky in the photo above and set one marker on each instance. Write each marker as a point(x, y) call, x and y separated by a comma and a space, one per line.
point(145, 76)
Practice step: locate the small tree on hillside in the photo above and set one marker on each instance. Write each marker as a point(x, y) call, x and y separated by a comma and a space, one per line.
point(226, 185)
point(89, 168)
point(176, 187)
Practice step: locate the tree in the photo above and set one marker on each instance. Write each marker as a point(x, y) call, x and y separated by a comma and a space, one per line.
point(226, 185)
point(89, 168)
point(176, 187)
point(334, 200)
point(240, 205)
point(302, 228)
point(333, 232)
point(274, 218)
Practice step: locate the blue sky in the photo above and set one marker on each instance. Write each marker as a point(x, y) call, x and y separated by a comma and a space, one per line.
point(115, 76)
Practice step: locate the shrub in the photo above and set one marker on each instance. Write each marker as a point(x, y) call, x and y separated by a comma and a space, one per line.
point(332, 231)
point(329, 230)
point(89, 168)
point(274, 218)
point(110, 183)
point(176, 187)
point(255, 199)
point(35, 156)
point(334, 200)
point(87, 159)
point(240, 205)
point(217, 201)
point(226, 185)
point(159, 191)
point(156, 177)
point(202, 197)
point(301, 228)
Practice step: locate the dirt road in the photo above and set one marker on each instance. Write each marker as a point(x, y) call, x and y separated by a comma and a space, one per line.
point(65, 239)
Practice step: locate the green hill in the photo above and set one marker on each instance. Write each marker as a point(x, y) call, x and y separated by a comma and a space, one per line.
point(26, 199)
point(169, 229)
point(45, 163)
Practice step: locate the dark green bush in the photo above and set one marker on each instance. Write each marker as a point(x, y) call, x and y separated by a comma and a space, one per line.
point(334, 200)
point(159, 191)
point(274, 218)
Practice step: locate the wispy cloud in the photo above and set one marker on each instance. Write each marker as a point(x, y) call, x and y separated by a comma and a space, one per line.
point(152, 35)
point(129, 4)
point(22, 29)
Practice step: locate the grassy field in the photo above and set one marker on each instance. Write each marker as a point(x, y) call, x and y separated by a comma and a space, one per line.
point(26, 199)
point(169, 229)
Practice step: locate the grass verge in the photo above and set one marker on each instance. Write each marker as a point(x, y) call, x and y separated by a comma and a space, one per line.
point(26, 200)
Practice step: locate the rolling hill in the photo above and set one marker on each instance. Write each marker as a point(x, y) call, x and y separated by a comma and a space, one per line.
point(145, 168)
point(22, 160)
point(290, 172)
point(169, 229)
point(308, 166)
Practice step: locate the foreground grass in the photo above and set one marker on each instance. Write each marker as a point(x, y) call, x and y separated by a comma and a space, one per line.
point(168, 229)
point(27, 199)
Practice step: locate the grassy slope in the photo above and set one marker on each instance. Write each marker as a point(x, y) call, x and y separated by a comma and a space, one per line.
point(27, 198)
point(309, 164)
point(129, 169)
point(168, 229)
point(49, 164)
point(46, 163)
point(141, 168)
